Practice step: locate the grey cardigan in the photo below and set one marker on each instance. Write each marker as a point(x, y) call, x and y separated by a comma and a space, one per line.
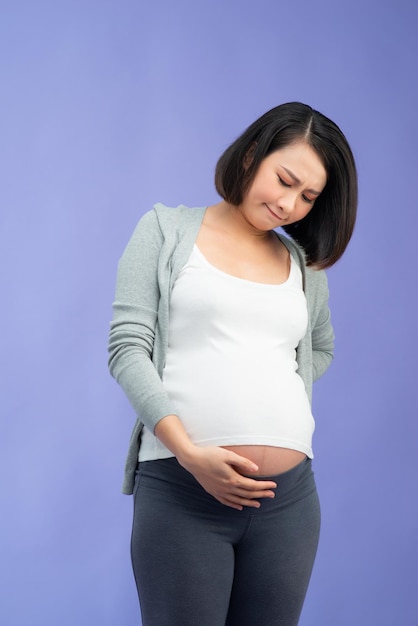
point(159, 247)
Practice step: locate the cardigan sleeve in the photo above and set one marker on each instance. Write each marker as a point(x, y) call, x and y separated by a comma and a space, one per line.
point(322, 335)
point(135, 324)
point(322, 331)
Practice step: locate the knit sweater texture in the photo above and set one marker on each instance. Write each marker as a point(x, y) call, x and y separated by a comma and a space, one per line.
point(158, 249)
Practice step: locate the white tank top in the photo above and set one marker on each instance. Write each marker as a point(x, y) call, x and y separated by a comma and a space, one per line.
point(231, 367)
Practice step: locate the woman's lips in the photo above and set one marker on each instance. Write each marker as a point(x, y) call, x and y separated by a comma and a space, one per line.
point(281, 219)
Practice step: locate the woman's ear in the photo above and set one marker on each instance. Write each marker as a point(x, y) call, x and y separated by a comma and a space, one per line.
point(248, 159)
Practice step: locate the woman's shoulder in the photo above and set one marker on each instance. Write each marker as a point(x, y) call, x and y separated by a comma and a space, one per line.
point(315, 280)
point(295, 249)
point(168, 216)
point(164, 223)
point(179, 216)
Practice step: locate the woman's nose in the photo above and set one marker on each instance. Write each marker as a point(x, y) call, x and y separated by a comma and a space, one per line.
point(287, 201)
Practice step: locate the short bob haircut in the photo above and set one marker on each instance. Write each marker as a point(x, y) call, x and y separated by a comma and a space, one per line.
point(325, 232)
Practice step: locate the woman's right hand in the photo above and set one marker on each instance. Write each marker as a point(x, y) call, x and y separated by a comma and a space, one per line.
point(222, 474)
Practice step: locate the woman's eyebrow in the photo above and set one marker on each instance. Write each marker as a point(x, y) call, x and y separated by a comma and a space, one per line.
point(297, 181)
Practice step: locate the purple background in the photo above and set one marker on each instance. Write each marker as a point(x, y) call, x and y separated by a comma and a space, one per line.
point(109, 106)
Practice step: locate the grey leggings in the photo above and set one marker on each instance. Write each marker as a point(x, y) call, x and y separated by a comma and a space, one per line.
point(198, 562)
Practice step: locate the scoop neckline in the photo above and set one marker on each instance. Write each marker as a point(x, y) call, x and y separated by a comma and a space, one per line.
point(244, 280)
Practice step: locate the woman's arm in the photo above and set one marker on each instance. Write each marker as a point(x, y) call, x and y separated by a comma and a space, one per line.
point(134, 324)
point(322, 331)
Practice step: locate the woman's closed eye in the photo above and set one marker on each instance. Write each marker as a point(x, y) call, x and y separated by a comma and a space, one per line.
point(308, 200)
point(283, 182)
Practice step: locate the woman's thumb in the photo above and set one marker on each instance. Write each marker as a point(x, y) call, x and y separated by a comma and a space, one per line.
point(244, 464)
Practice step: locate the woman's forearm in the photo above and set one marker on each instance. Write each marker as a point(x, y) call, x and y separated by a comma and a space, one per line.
point(171, 432)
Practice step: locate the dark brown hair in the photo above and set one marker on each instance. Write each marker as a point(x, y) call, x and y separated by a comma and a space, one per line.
point(325, 232)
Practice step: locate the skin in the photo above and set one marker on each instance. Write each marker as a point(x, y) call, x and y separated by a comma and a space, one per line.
point(240, 241)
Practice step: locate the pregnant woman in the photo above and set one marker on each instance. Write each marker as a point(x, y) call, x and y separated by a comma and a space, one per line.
point(221, 325)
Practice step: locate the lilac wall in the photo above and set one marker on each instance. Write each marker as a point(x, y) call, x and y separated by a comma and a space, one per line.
point(109, 106)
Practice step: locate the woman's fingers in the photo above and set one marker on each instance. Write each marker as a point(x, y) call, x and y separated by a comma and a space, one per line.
point(220, 472)
point(238, 502)
point(244, 465)
point(242, 492)
point(258, 486)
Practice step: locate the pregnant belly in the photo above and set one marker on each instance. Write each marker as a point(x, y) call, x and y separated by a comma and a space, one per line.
point(270, 460)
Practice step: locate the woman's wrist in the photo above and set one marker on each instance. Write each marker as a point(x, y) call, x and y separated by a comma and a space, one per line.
point(170, 431)
point(187, 456)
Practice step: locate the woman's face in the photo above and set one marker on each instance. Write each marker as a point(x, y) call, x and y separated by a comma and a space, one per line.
point(285, 187)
